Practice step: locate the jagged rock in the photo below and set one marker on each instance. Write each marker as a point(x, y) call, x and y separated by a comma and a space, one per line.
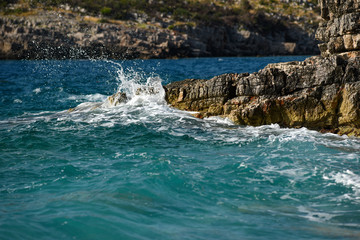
point(116, 99)
point(146, 91)
point(320, 93)
point(341, 31)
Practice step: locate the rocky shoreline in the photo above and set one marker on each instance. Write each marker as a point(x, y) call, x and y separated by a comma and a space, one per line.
point(321, 93)
point(67, 35)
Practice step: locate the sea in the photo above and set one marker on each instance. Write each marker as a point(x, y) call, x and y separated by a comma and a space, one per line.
point(74, 166)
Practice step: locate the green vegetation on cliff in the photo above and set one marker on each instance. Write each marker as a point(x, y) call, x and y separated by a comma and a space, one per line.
point(196, 11)
point(157, 28)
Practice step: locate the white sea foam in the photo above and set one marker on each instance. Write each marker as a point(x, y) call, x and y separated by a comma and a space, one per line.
point(97, 97)
point(136, 85)
point(348, 179)
point(220, 120)
point(315, 216)
point(284, 135)
point(144, 103)
point(37, 90)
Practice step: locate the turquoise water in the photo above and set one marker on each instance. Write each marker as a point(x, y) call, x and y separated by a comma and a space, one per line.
point(142, 170)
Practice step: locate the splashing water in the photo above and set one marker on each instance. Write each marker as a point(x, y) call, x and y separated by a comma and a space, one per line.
point(134, 89)
point(131, 83)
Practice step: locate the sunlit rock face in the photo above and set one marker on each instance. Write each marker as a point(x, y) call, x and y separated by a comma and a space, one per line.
point(320, 93)
point(341, 30)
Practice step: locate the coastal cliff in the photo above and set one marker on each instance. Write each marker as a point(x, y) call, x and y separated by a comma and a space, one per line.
point(321, 93)
point(60, 33)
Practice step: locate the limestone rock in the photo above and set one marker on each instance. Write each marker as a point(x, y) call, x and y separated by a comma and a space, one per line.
point(341, 31)
point(320, 93)
point(116, 99)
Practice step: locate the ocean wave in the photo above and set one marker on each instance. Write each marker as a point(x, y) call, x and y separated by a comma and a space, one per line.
point(348, 179)
point(96, 97)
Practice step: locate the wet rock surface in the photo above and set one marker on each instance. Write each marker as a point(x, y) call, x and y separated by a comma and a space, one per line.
point(320, 93)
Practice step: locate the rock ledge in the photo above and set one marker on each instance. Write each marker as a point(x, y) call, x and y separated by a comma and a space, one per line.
point(321, 93)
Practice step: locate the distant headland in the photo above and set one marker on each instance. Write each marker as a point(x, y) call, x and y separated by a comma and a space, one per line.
point(156, 29)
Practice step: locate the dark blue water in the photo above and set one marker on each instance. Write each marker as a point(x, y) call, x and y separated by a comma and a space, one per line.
point(142, 170)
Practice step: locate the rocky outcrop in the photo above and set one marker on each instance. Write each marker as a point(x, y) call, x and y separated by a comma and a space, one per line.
point(340, 33)
point(320, 93)
point(63, 35)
